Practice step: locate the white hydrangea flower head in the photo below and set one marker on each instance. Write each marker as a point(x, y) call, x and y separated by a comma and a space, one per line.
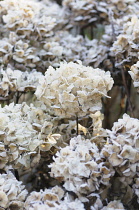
point(88, 11)
point(62, 46)
point(79, 165)
point(15, 80)
point(124, 48)
point(18, 52)
point(24, 131)
point(122, 149)
point(52, 199)
point(12, 192)
point(48, 197)
point(73, 89)
point(27, 18)
point(134, 73)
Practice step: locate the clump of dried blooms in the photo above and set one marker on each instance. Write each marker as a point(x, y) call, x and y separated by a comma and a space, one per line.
point(134, 73)
point(122, 147)
point(17, 52)
point(12, 192)
point(52, 199)
point(85, 12)
point(73, 89)
point(62, 46)
point(15, 80)
point(27, 18)
point(126, 45)
point(24, 131)
point(80, 166)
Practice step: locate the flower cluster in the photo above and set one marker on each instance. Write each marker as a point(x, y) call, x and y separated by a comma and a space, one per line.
point(52, 199)
point(15, 80)
point(73, 89)
point(80, 166)
point(24, 131)
point(122, 147)
point(125, 47)
point(12, 192)
point(58, 60)
point(87, 11)
point(27, 18)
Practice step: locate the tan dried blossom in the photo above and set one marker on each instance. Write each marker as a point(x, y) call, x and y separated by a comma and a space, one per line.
point(62, 46)
point(134, 73)
point(28, 18)
point(18, 53)
point(24, 132)
point(126, 45)
point(88, 11)
point(15, 80)
point(73, 89)
point(80, 167)
point(12, 192)
point(52, 199)
point(121, 149)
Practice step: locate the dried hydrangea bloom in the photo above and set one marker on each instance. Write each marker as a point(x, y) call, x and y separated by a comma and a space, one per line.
point(123, 145)
point(24, 130)
point(85, 11)
point(17, 52)
point(88, 11)
point(15, 80)
point(80, 167)
point(125, 47)
point(114, 205)
point(27, 18)
point(52, 199)
point(62, 46)
point(73, 89)
point(134, 73)
point(12, 192)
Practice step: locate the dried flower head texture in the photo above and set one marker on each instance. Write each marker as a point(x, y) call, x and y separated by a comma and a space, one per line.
point(12, 192)
point(80, 167)
point(15, 80)
point(87, 11)
point(126, 45)
point(17, 52)
point(134, 73)
point(52, 199)
point(27, 18)
point(25, 55)
point(122, 149)
point(24, 130)
point(73, 89)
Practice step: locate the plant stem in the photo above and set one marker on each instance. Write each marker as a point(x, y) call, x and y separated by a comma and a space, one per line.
point(77, 125)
